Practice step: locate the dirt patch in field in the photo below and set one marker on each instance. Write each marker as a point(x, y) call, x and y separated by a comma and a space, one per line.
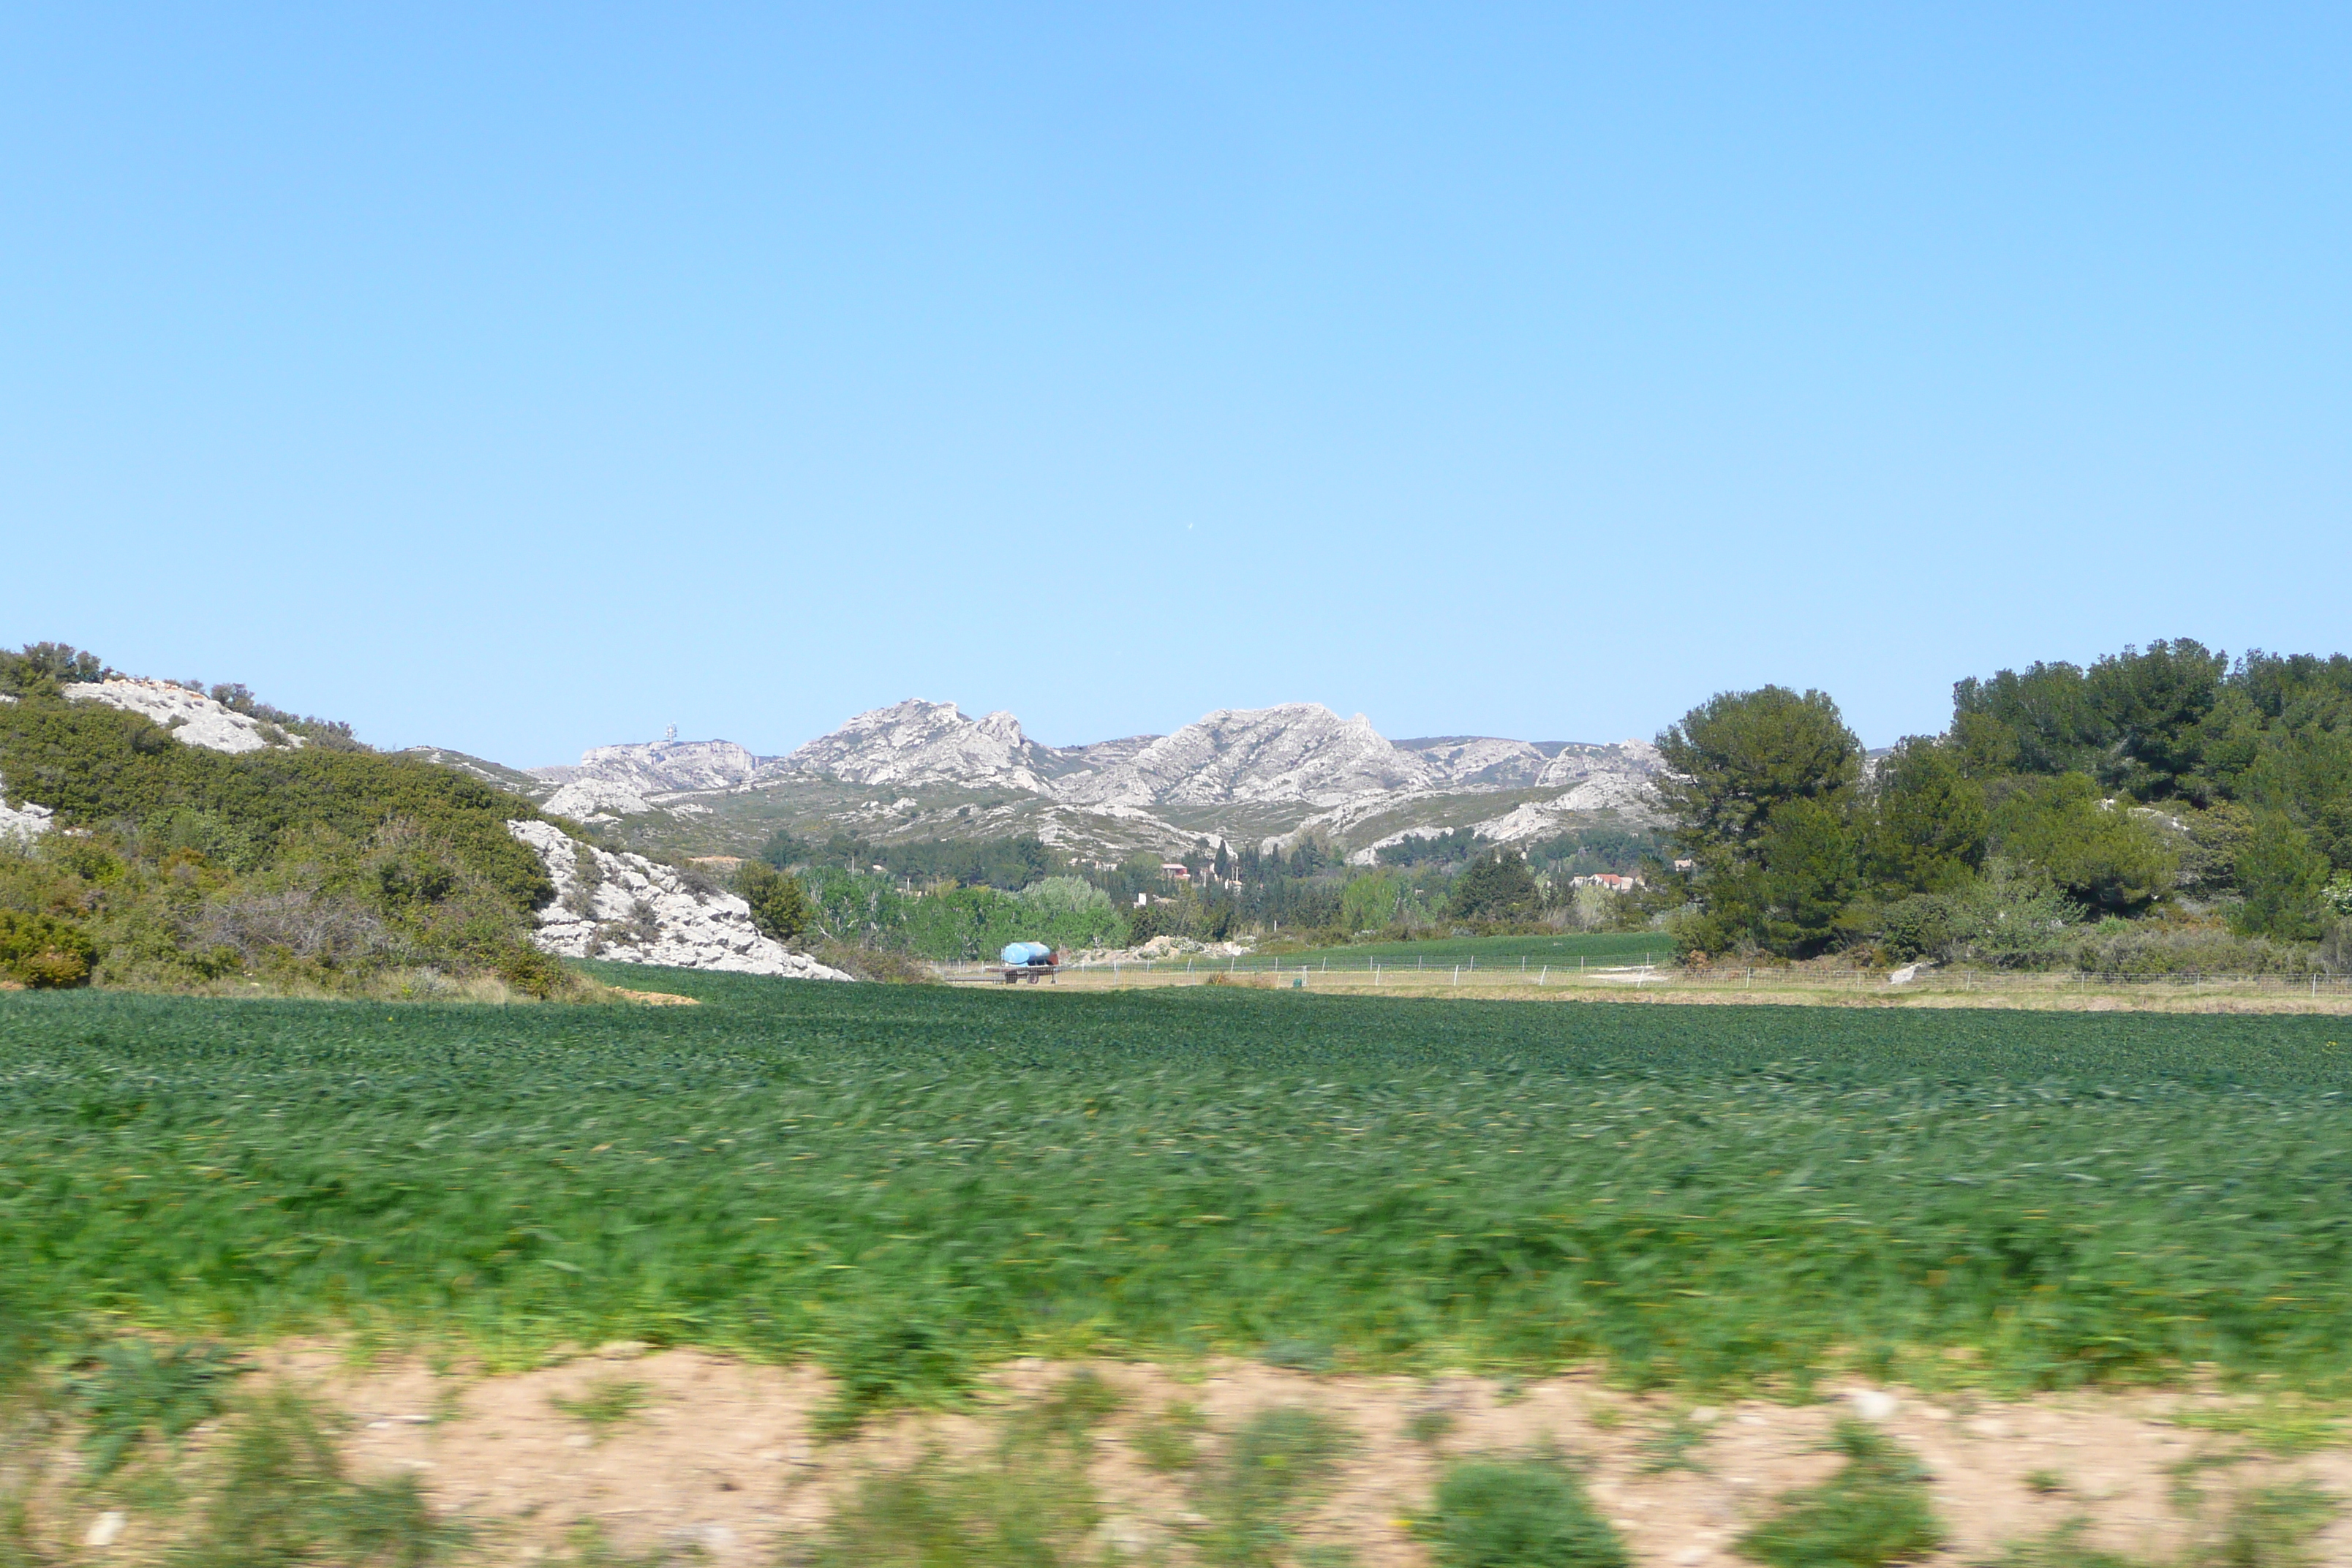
point(1673, 990)
point(686, 1452)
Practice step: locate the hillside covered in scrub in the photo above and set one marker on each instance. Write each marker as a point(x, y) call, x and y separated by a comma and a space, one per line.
point(303, 861)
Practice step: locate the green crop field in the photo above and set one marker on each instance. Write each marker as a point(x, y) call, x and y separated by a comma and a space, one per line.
point(907, 1182)
point(1503, 952)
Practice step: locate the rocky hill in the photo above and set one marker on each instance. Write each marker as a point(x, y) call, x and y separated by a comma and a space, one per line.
point(925, 769)
point(418, 827)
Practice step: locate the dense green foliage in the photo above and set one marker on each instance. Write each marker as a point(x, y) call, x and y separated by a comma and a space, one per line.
point(1495, 886)
point(40, 668)
point(957, 924)
point(1760, 785)
point(1008, 864)
point(906, 1181)
point(323, 865)
point(2171, 783)
point(42, 950)
point(780, 905)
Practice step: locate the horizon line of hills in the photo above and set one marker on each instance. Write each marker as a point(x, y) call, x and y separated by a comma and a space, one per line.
point(1298, 752)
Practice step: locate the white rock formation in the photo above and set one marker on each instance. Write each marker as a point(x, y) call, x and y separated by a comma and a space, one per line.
point(656, 768)
point(196, 719)
point(597, 800)
point(916, 742)
point(625, 909)
point(24, 822)
point(1636, 760)
point(1298, 751)
point(1471, 760)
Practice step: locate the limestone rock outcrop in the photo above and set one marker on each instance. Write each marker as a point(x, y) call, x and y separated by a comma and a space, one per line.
point(1296, 752)
point(597, 800)
point(656, 768)
point(917, 742)
point(21, 821)
point(628, 910)
point(192, 718)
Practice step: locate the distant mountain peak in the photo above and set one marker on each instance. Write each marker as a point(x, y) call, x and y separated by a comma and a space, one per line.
point(916, 742)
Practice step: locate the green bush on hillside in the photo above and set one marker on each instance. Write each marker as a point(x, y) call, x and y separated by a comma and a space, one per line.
point(44, 953)
point(779, 906)
point(174, 865)
point(41, 668)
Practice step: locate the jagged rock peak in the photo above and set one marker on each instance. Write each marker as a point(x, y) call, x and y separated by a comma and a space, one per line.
point(917, 741)
point(1292, 752)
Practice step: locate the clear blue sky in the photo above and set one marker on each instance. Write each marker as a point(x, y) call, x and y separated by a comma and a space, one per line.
point(524, 378)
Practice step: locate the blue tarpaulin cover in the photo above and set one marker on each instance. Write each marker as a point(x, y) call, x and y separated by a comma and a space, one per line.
point(1026, 952)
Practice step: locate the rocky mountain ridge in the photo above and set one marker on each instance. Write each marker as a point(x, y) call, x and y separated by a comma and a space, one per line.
point(1241, 775)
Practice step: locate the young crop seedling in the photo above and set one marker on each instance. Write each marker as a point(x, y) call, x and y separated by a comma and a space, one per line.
point(1027, 1501)
point(2269, 1527)
point(1171, 1440)
point(1874, 1511)
point(1274, 1466)
point(280, 1497)
point(1516, 1513)
point(131, 1390)
point(897, 1205)
point(604, 1404)
point(2279, 1425)
point(1428, 1424)
point(1674, 1446)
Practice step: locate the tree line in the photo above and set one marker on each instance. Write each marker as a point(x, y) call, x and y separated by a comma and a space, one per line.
point(2168, 787)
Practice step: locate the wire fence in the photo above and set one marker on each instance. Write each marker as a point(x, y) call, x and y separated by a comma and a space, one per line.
point(1652, 973)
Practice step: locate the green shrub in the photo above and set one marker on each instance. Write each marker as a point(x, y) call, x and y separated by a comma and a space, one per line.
point(1518, 1513)
point(1274, 1466)
point(528, 970)
point(1874, 1511)
point(2140, 947)
point(282, 1499)
point(44, 952)
point(316, 867)
point(1027, 1504)
point(2269, 1527)
point(886, 1362)
point(131, 1390)
point(779, 906)
point(608, 1403)
point(2012, 917)
point(41, 668)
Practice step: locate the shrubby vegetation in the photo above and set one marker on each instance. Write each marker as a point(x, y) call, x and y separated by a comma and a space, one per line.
point(2162, 810)
point(326, 867)
point(39, 668)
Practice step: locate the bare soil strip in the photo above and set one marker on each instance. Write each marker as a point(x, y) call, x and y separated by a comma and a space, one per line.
point(1719, 987)
point(725, 1458)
